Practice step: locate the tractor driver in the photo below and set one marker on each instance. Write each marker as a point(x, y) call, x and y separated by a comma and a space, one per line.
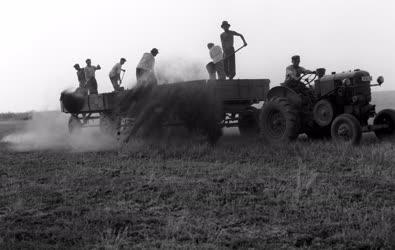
point(293, 74)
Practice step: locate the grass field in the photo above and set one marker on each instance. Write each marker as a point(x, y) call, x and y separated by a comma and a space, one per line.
point(187, 195)
point(60, 192)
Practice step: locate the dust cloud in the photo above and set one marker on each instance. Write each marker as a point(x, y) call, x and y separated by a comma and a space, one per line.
point(49, 131)
point(178, 99)
point(191, 103)
point(178, 70)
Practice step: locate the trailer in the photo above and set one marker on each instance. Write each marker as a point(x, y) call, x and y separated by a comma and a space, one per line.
point(237, 98)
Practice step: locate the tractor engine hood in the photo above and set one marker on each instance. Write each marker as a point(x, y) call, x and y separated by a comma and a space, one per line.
point(356, 74)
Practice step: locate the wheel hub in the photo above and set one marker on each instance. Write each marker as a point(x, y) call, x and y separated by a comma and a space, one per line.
point(345, 132)
point(277, 124)
point(323, 113)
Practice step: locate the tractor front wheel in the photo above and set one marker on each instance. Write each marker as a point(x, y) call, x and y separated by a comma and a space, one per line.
point(279, 121)
point(385, 117)
point(346, 128)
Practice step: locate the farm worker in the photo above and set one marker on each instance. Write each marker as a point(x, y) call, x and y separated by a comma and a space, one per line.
point(217, 65)
point(211, 71)
point(145, 72)
point(227, 40)
point(81, 79)
point(292, 76)
point(80, 75)
point(115, 75)
point(294, 71)
point(91, 82)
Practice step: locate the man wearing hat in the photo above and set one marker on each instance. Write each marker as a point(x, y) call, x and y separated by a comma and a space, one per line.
point(227, 39)
point(145, 72)
point(89, 71)
point(293, 73)
point(115, 75)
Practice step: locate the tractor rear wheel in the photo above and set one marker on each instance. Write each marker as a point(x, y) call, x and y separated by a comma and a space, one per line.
point(385, 117)
point(75, 124)
point(346, 128)
point(279, 121)
point(248, 122)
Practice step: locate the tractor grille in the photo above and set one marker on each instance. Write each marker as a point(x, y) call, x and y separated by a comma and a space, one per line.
point(362, 87)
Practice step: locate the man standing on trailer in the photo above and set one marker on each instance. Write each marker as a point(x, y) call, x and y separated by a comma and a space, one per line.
point(91, 82)
point(145, 72)
point(81, 79)
point(80, 75)
point(146, 80)
point(115, 75)
point(217, 65)
point(227, 39)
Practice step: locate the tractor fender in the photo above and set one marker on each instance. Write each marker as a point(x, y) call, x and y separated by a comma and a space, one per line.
point(281, 91)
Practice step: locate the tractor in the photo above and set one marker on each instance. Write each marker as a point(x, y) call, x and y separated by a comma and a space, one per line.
point(337, 105)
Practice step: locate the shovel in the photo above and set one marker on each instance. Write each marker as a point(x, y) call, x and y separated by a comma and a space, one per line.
point(123, 74)
point(233, 53)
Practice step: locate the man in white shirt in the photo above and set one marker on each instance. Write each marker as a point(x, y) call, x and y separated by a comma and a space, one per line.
point(145, 72)
point(217, 65)
point(91, 83)
point(115, 75)
point(293, 74)
point(294, 71)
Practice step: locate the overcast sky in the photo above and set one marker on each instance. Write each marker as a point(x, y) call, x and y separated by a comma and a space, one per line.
point(41, 40)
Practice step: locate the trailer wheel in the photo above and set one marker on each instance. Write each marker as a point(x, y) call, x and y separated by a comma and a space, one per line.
point(346, 128)
point(108, 124)
point(279, 121)
point(385, 117)
point(75, 124)
point(248, 122)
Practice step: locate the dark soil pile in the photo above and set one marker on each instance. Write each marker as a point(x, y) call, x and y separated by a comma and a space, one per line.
point(190, 104)
point(72, 101)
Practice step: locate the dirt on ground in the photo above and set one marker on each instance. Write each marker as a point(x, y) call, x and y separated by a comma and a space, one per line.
point(186, 194)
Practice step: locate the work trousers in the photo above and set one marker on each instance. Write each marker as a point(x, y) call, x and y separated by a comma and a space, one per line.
point(300, 88)
point(145, 77)
point(230, 63)
point(91, 85)
point(220, 69)
point(215, 69)
point(114, 80)
point(82, 84)
point(140, 73)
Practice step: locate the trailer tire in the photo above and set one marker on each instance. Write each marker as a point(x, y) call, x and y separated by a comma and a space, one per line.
point(248, 122)
point(108, 124)
point(279, 121)
point(346, 128)
point(75, 124)
point(386, 116)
